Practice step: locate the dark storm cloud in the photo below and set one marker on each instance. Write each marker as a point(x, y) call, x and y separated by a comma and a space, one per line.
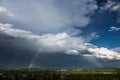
point(61, 60)
point(23, 48)
point(15, 51)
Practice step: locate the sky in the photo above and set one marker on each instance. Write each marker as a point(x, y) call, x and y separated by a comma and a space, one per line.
point(60, 33)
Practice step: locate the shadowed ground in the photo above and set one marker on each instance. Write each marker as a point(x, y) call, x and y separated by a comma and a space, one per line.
point(59, 74)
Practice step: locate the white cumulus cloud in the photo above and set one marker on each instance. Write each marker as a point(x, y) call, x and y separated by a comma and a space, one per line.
point(114, 28)
point(103, 53)
point(108, 5)
point(112, 5)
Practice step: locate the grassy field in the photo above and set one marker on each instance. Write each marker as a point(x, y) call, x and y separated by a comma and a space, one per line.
point(59, 74)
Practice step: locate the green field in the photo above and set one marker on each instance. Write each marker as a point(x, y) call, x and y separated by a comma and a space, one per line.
point(59, 74)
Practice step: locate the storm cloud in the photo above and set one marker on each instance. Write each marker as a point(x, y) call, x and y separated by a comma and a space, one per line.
point(36, 50)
